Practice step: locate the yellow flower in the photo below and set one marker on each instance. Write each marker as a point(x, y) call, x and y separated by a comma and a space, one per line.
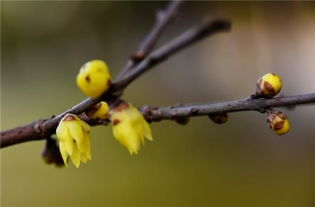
point(94, 78)
point(129, 127)
point(268, 85)
point(278, 122)
point(99, 111)
point(74, 139)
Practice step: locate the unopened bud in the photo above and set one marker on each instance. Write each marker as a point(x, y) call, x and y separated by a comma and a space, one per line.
point(278, 122)
point(268, 85)
point(182, 120)
point(218, 118)
point(94, 78)
point(99, 111)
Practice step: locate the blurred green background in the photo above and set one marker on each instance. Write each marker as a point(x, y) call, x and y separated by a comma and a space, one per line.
point(241, 163)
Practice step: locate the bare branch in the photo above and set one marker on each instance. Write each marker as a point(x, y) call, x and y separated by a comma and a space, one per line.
point(208, 28)
point(163, 19)
point(21, 134)
point(248, 104)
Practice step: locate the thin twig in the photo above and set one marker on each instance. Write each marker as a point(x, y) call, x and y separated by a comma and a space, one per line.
point(208, 28)
point(153, 114)
point(163, 19)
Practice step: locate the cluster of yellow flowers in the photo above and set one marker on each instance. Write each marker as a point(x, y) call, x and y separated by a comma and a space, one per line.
point(129, 126)
point(268, 86)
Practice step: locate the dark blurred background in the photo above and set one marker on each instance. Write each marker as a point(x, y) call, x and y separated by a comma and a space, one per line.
point(241, 163)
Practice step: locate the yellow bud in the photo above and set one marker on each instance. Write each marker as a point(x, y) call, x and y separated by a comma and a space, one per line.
point(129, 127)
point(94, 78)
point(219, 118)
point(74, 139)
point(99, 111)
point(268, 85)
point(278, 122)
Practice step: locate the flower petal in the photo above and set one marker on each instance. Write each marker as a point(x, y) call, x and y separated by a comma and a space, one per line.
point(62, 131)
point(63, 153)
point(69, 145)
point(76, 156)
point(84, 158)
point(76, 132)
point(88, 148)
point(85, 126)
point(147, 131)
point(127, 137)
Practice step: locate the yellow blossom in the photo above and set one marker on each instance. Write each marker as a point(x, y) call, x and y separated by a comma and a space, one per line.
point(74, 139)
point(269, 85)
point(278, 122)
point(94, 78)
point(129, 127)
point(99, 111)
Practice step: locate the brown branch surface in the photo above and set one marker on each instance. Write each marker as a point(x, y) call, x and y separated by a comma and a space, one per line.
point(44, 128)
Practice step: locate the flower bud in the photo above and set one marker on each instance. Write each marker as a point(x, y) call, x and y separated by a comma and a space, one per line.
point(74, 139)
point(182, 120)
point(94, 78)
point(278, 122)
point(268, 85)
point(51, 153)
point(218, 118)
point(129, 127)
point(99, 111)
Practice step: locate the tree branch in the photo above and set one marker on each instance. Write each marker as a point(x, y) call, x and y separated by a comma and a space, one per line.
point(153, 114)
point(163, 19)
point(248, 104)
point(208, 28)
point(44, 128)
